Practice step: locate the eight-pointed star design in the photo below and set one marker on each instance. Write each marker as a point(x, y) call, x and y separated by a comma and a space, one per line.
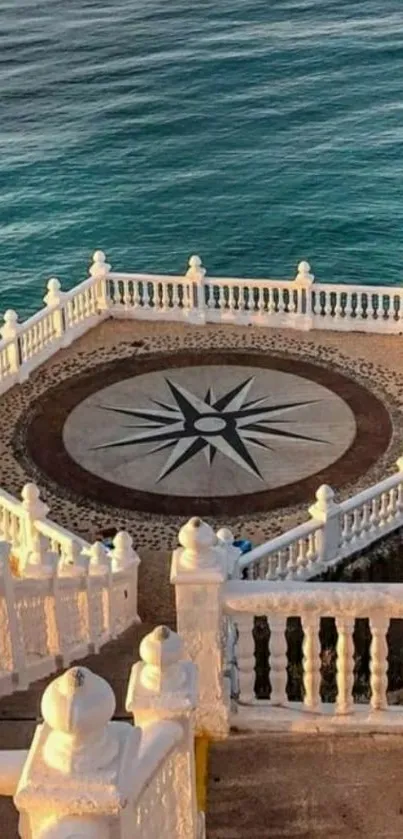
point(229, 424)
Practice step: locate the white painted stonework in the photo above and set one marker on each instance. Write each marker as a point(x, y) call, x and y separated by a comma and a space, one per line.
point(209, 430)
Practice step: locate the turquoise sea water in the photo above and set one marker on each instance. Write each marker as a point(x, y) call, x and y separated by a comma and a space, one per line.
point(253, 132)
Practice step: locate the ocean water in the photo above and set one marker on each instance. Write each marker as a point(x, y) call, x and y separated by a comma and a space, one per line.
point(253, 132)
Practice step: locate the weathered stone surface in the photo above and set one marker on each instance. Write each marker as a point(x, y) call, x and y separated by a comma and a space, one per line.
point(306, 787)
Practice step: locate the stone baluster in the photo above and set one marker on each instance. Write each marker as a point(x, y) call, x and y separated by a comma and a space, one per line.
point(33, 509)
point(379, 626)
point(11, 647)
point(327, 512)
point(81, 767)
point(245, 658)
point(302, 558)
point(10, 332)
point(199, 570)
point(163, 686)
point(196, 277)
point(126, 560)
point(383, 510)
point(345, 664)
point(99, 270)
point(278, 660)
point(311, 660)
point(374, 517)
point(40, 561)
point(292, 561)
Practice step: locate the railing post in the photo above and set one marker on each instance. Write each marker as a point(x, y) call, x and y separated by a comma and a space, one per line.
point(9, 332)
point(198, 573)
point(126, 559)
point(12, 653)
point(80, 767)
point(33, 509)
point(303, 284)
point(195, 277)
point(226, 539)
point(163, 687)
point(99, 270)
point(54, 300)
point(328, 538)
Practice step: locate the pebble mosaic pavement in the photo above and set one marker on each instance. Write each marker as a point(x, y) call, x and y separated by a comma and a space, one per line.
point(376, 362)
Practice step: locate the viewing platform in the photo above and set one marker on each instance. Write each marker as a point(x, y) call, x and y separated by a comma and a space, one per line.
point(259, 410)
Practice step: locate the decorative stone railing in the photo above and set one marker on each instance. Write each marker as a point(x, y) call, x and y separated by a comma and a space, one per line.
point(195, 298)
point(335, 532)
point(309, 602)
point(87, 776)
point(68, 599)
point(216, 618)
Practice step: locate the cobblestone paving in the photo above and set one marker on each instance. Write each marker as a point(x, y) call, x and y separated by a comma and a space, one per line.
point(374, 361)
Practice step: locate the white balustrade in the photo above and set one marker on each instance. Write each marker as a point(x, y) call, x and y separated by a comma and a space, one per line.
point(301, 303)
point(243, 600)
point(335, 532)
point(85, 775)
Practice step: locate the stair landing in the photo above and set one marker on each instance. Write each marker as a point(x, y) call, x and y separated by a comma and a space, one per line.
point(312, 786)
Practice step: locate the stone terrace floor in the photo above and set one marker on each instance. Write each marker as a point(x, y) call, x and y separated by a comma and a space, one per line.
point(262, 786)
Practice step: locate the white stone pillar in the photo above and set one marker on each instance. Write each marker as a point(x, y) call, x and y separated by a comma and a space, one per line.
point(195, 277)
point(54, 299)
point(328, 538)
point(303, 284)
point(164, 687)
point(198, 573)
point(33, 509)
point(99, 270)
point(80, 767)
point(9, 332)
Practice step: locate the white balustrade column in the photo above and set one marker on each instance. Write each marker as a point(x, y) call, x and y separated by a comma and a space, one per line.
point(12, 653)
point(311, 661)
point(80, 766)
point(379, 626)
point(53, 299)
point(99, 270)
point(303, 283)
point(327, 512)
point(198, 573)
point(163, 686)
point(9, 332)
point(245, 657)
point(345, 665)
point(33, 509)
point(195, 276)
point(278, 660)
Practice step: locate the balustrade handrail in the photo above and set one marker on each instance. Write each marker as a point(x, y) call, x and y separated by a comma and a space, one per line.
point(372, 492)
point(278, 543)
point(289, 598)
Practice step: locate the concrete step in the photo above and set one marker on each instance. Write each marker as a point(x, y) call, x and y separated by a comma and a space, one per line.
point(293, 786)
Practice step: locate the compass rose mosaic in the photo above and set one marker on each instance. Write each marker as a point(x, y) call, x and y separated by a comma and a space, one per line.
point(231, 425)
point(209, 430)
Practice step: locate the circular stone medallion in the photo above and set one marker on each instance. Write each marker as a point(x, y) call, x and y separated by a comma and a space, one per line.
point(209, 431)
point(214, 432)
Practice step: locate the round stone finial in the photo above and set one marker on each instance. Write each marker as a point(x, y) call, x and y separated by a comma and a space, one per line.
point(196, 535)
point(100, 267)
point(30, 493)
point(196, 267)
point(99, 257)
point(99, 560)
point(78, 706)
point(161, 648)
point(79, 702)
point(10, 328)
point(304, 274)
point(10, 316)
point(324, 494)
point(53, 285)
point(224, 534)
